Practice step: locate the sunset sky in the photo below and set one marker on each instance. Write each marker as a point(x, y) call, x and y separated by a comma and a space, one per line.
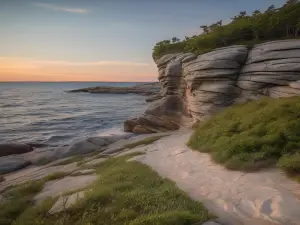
point(99, 40)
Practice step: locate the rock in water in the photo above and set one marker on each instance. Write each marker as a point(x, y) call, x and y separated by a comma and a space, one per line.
point(12, 163)
point(14, 149)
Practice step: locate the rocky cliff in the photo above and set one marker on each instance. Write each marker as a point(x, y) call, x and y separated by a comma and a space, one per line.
point(196, 87)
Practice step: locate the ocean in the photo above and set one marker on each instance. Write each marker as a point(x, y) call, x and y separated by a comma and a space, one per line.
point(43, 112)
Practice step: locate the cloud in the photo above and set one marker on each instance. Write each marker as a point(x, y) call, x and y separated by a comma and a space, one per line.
point(60, 8)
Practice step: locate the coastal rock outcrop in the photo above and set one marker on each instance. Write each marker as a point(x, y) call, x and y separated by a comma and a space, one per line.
point(199, 86)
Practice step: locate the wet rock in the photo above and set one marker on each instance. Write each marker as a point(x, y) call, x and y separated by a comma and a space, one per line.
point(13, 149)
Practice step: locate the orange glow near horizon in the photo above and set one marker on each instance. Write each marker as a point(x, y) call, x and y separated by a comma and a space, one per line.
point(23, 69)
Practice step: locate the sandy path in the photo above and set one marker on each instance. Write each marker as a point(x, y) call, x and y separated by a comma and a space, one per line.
point(265, 197)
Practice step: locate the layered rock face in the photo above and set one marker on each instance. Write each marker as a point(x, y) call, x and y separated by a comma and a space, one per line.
point(211, 80)
point(199, 86)
point(270, 70)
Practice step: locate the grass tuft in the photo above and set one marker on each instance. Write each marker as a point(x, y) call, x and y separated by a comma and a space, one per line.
point(146, 141)
point(55, 176)
point(253, 135)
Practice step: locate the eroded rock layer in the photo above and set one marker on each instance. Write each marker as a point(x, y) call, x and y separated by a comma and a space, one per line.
point(199, 86)
point(211, 80)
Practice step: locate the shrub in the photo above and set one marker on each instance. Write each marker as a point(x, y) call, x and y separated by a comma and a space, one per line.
point(253, 135)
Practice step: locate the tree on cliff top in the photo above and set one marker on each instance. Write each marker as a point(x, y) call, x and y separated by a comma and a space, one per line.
point(257, 27)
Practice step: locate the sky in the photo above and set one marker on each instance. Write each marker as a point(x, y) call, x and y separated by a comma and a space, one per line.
point(100, 40)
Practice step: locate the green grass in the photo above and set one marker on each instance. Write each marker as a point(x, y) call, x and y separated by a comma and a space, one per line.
point(145, 141)
point(70, 160)
point(126, 193)
point(253, 135)
point(55, 176)
point(20, 197)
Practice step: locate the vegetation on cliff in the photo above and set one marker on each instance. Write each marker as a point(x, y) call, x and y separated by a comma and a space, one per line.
point(126, 192)
point(253, 135)
point(273, 24)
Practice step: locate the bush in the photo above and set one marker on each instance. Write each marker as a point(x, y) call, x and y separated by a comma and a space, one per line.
point(253, 135)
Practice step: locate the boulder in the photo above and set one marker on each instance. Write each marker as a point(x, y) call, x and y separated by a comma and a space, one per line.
point(14, 149)
point(12, 163)
point(130, 124)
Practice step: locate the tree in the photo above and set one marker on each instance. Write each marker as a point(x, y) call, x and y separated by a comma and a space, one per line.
point(175, 39)
point(241, 15)
point(205, 29)
point(271, 9)
point(215, 25)
point(290, 2)
point(256, 13)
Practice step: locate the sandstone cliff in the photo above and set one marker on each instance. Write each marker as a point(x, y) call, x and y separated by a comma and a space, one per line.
point(196, 87)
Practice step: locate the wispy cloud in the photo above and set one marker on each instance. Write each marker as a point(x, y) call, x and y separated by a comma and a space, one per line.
point(60, 8)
